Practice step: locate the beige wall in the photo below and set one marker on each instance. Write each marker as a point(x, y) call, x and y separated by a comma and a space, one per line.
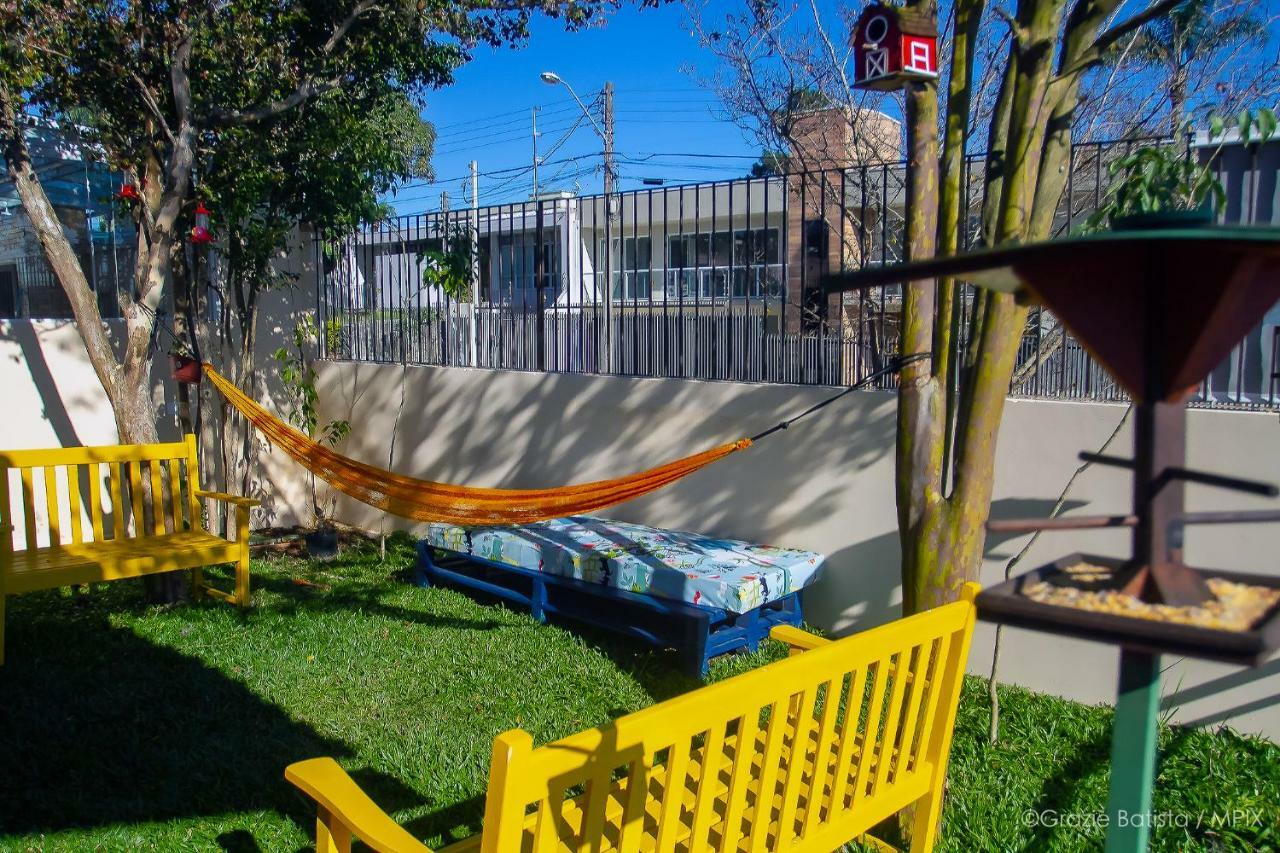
point(824, 484)
point(48, 386)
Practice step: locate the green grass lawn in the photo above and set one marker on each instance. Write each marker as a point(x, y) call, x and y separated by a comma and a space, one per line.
point(125, 727)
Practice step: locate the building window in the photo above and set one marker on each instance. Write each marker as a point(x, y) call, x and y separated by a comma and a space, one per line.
point(744, 263)
point(632, 280)
point(517, 265)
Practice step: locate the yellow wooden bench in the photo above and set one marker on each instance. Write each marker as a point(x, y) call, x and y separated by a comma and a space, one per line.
point(90, 514)
point(804, 754)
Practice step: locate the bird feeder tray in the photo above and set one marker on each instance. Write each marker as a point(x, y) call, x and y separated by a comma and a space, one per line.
point(1009, 603)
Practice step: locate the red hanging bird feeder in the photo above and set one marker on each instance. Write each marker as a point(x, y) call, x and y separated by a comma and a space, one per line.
point(128, 192)
point(200, 233)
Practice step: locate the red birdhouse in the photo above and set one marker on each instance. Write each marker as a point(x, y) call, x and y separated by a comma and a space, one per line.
point(892, 46)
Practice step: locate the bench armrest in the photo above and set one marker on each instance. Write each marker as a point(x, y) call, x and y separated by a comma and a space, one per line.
point(349, 808)
point(799, 641)
point(226, 498)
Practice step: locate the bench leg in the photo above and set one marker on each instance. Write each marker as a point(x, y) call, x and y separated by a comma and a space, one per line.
point(2, 599)
point(242, 565)
point(697, 635)
point(751, 623)
point(537, 601)
point(421, 577)
point(197, 584)
point(331, 835)
point(242, 579)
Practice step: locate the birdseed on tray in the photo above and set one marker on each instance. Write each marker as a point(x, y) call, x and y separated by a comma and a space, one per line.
point(1234, 607)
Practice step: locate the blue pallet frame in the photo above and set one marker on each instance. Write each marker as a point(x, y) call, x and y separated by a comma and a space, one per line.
point(699, 632)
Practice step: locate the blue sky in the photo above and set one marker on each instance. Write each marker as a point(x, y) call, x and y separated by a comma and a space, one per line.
point(660, 109)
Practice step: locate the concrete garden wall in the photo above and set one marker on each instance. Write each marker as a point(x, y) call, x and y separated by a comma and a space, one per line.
point(824, 484)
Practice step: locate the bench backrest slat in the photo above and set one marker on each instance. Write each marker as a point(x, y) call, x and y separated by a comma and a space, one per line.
point(175, 496)
point(797, 755)
point(73, 503)
point(193, 484)
point(142, 484)
point(157, 498)
point(137, 513)
point(53, 508)
point(94, 471)
point(29, 505)
point(119, 513)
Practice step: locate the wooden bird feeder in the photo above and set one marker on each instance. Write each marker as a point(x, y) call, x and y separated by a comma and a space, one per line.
point(1160, 309)
point(892, 47)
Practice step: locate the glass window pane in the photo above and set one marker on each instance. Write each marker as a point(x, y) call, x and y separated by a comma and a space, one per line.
point(722, 246)
point(676, 252)
point(771, 254)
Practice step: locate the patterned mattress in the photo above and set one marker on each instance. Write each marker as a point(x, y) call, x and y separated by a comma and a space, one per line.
point(736, 576)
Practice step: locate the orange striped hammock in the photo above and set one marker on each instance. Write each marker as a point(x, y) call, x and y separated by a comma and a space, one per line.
point(425, 500)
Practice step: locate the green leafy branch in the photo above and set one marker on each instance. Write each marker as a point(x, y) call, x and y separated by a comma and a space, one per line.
point(298, 374)
point(452, 267)
point(1160, 179)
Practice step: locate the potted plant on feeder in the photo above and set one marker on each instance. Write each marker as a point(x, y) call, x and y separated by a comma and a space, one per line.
point(298, 373)
point(1165, 187)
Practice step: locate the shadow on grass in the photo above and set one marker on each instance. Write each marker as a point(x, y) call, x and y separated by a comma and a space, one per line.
point(657, 670)
point(98, 727)
point(363, 598)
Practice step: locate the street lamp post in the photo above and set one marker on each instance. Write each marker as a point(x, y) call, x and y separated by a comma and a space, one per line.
point(605, 133)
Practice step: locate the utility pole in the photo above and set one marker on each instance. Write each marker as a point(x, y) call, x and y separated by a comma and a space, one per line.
point(535, 152)
point(473, 286)
point(444, 201)
point(609, 180)
point(610, 173)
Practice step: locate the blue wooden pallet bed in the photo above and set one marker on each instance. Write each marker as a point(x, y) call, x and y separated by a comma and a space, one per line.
point(703, 596)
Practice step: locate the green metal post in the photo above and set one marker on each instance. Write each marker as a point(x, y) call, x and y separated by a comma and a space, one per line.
point(1133, 752)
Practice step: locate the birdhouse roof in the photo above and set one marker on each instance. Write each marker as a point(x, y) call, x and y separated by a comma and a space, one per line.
point(913, 23)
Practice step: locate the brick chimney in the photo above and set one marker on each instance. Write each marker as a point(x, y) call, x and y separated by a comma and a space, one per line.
point(837, 138)
point(821, 235)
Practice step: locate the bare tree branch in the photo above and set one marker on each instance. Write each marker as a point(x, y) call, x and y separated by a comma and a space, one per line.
point(1119, 31)
point(149, 100)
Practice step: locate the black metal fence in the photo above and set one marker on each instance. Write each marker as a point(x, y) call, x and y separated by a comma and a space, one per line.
point(709, 281)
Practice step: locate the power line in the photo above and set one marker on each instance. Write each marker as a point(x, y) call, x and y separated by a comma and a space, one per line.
point(648, 121)
point(498, 128)
point(521, 111)
point(515, 136)
point(649, 155)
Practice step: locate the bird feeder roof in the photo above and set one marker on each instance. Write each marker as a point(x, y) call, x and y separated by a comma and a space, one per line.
point(1159, 308)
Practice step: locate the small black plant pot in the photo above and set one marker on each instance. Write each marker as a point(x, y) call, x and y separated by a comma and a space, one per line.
point(322, 543)
point(1197, 218)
